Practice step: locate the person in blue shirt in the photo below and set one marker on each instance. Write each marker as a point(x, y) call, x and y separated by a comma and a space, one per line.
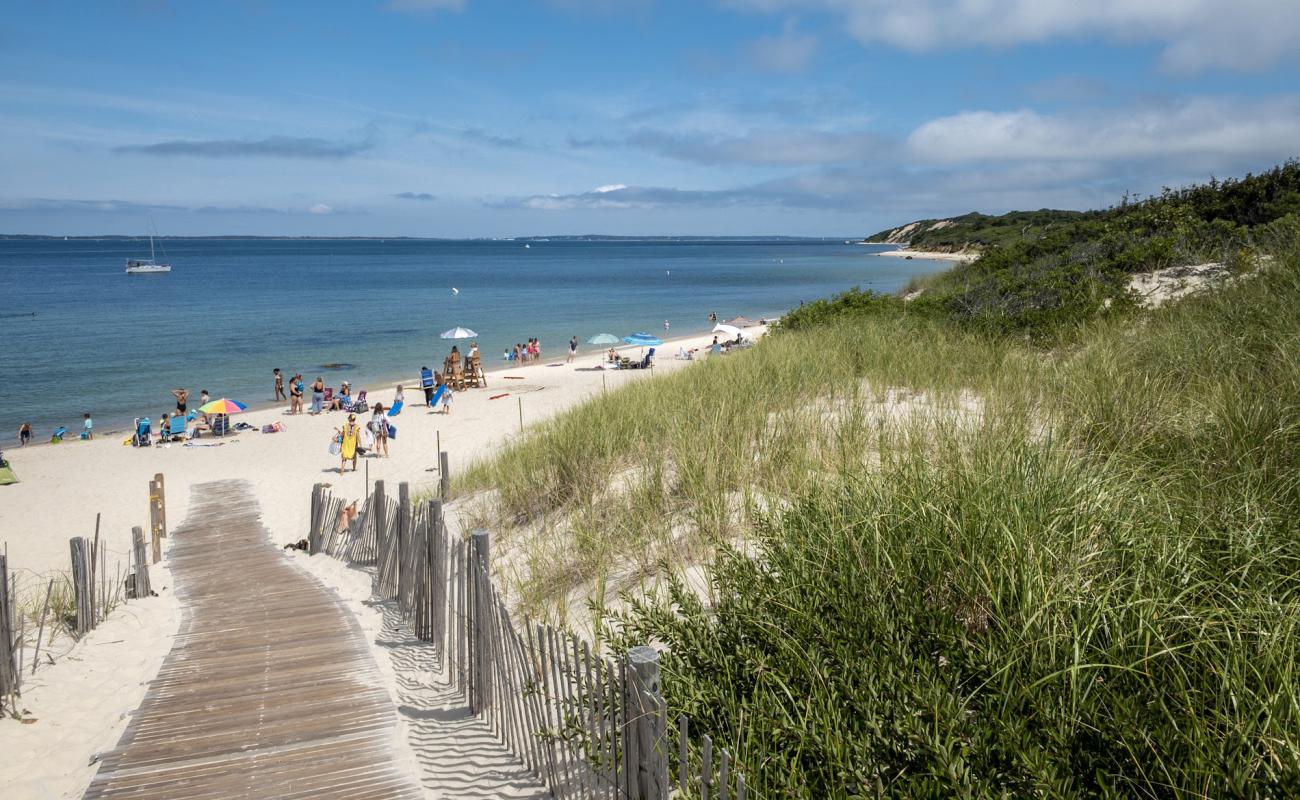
point(426, 382)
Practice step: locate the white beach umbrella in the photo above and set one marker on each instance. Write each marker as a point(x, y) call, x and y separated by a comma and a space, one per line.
point(730, 330)
point(458, 333)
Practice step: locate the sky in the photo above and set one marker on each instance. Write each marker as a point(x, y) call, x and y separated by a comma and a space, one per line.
point(498, 118)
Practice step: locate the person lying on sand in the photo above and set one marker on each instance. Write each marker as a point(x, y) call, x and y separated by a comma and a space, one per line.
point(346, 515)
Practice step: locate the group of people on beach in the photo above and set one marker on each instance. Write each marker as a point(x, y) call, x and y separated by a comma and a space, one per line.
point(525, 353)
point(87, 431)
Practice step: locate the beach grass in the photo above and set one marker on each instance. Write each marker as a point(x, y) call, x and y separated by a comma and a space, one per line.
point(954, 563)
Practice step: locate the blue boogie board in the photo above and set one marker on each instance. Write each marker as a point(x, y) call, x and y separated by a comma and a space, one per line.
point(437, 395)
point(396, 409)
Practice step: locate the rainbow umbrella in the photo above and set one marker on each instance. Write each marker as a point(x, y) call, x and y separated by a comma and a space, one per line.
point(222, 406)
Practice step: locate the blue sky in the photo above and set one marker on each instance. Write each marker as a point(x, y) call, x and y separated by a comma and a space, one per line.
point(466, 118)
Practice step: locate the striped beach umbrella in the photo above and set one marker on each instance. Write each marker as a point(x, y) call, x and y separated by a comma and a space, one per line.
point(222, 406)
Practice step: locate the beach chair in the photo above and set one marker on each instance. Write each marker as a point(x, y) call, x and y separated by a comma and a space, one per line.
point(357, 404)
point(175, 429)
point(143, 435)
point(457, 378)
point(328, 398)
point(221, 424)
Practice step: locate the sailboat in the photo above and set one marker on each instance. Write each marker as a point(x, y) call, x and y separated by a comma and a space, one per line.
point(147, 266)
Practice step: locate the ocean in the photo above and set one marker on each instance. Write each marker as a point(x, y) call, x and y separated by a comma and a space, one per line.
point(83, 337)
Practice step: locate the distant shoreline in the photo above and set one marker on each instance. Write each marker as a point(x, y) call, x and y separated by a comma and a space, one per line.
point(931, 255)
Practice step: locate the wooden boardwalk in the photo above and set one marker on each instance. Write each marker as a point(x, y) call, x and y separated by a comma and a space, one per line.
point(270, 690)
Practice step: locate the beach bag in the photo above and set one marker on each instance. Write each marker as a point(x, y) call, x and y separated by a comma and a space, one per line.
point(336, 445)
point(392, 431)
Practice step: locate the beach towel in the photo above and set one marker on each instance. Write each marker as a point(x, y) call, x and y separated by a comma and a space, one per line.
point(396, 409)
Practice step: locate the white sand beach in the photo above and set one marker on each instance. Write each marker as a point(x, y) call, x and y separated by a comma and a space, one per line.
point(963, 257)
point(81, 701)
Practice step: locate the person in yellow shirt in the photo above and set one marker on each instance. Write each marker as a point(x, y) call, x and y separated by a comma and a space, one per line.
point(350, 432)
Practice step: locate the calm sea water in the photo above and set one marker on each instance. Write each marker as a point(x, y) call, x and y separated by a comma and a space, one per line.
point(81, 336)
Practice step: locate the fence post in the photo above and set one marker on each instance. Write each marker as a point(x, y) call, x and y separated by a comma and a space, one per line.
point(142, 587)
point(440, 575)
point(403, 539)
point(444, 474)
point(81, 585)
point(377, 503)
point(480, 602)
point(162, 504)
point(642, 735)
point(9, 666)
point(313, 532)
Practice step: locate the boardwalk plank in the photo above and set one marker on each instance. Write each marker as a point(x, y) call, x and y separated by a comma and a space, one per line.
point(269, 691)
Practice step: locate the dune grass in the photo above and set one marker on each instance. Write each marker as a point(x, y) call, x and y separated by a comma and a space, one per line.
point(1105, 606)
point(969, 566)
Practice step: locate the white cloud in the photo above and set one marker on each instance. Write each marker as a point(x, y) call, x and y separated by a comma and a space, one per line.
point(1196, 34)
point(791, 51)
point(321, 208)
point(1199, 127)
point(792, 146)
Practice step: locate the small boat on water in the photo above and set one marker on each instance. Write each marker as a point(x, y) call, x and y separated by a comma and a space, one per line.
point(148, 266)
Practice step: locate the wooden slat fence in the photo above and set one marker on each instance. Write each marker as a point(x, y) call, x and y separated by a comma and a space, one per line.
point(93, 593)
point(590, 726)
point(11, 674)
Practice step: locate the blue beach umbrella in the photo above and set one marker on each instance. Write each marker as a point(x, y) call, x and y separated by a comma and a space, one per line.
point(643, 339)
point(603, 338)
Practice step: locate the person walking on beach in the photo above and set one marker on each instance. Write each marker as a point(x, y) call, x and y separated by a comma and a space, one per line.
point(182, 398)
point(446, 394)
point(295, 394)
point(24, 434)
point(379, 427)
point(88, 427)
point(317, 394)
point(350, 432)
point(426, 383)
point(279, 385)
point(573, 348)
point(666, 326)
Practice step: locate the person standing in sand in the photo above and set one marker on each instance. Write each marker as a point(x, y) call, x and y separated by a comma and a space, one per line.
point(295, 394)
point(182, 397)
point(426, 383)
point(88, 426)
point(379, 427)
point(350, 432)
point(573, 348)
point(279, 385)
point(24, 434)
point(317, 394)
